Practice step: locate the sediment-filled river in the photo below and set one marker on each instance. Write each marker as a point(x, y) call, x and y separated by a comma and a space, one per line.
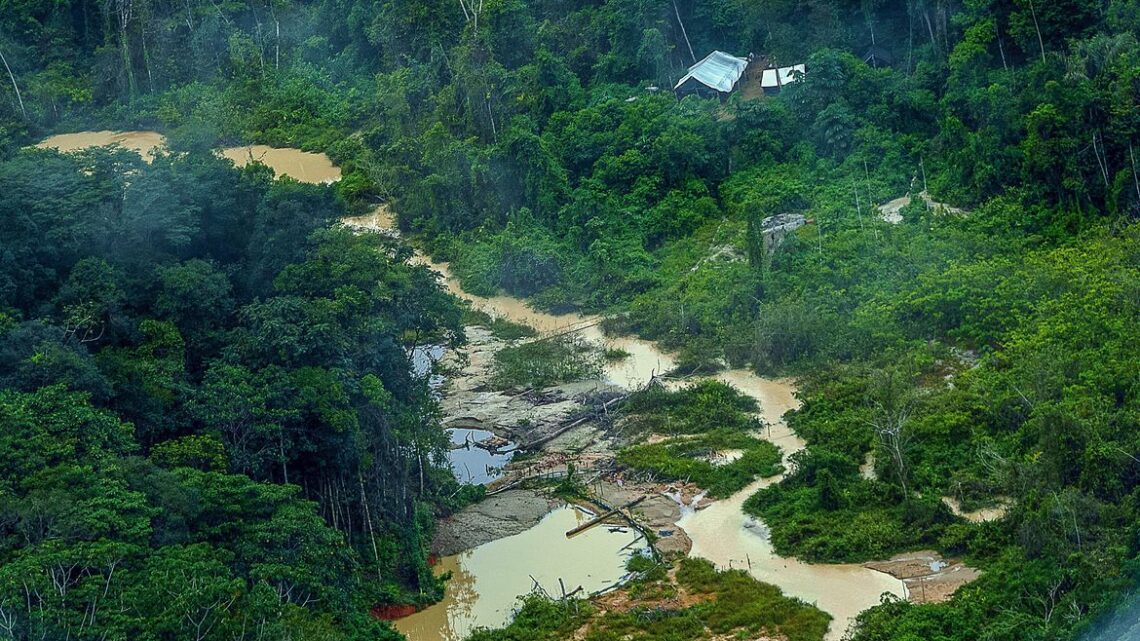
point(488, 579)
point(721, 532)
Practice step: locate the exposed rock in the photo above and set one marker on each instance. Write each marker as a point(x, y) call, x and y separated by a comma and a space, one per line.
point(774, 229)
point(495, 517)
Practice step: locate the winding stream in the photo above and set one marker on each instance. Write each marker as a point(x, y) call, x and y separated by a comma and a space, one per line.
point(489, 578)
point(721, 532)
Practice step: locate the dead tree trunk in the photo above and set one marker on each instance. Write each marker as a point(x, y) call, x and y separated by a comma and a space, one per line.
point(12, 77)
point(1037, 28)
point(683, 32)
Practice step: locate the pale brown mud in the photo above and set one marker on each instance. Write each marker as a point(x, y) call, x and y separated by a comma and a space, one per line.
point(304, 166)
point(983, 515)
point(143, 142)
point(928, 577)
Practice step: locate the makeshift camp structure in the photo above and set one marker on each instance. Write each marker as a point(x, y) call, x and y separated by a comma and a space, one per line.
point(775, 79)
point(715, 75)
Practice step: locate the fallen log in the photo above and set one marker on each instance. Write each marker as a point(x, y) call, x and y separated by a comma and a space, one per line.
point(539, 442)
point(598, 519)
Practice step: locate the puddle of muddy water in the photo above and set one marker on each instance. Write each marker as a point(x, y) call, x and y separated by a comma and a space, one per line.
point(475, 465)
point(307, 167)
point(143, 142)
point(487, 581)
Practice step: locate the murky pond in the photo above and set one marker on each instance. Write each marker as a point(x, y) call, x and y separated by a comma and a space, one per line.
point(143, 142)
point(305, 166)
point(487, 581)
point(475, 464)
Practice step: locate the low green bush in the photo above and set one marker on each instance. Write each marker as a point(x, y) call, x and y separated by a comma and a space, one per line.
point(685, 460)
point(546, 362)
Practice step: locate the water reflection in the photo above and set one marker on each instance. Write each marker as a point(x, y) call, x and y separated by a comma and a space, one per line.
point(474, 464)
point(487, 581)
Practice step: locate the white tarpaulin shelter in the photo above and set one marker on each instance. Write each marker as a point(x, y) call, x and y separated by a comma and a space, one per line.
point(718, 71)
point(776, 78)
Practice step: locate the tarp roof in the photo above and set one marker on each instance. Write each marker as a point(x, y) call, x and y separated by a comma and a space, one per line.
point(768, 81)
point(718, 70)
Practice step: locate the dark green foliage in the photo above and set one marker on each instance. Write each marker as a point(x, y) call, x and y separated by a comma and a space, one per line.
point(169, 391)
point(526, 145)
point(689, 459)
point(699, 408)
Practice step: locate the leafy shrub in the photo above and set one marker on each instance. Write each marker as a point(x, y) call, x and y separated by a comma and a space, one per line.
point(546, 362)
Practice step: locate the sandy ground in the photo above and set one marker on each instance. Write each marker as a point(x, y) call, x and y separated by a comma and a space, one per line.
point(928, 577)
point(519, 416)
point(496, 517)
point(994, 513)
point(891, 212)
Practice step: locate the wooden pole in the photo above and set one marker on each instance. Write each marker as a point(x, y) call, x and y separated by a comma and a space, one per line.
point(683, 32)
point(598, 519)
point(12, 77)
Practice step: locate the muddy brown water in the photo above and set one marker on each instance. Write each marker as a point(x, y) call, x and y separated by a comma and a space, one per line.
point(304, 166)
point(489, 579)
point(644, 361)
point(143, 142)
point(487, 582)
point(721, 532)
point(725, 535)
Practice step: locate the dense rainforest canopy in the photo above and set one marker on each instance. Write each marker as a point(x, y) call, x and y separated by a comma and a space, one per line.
point(208, 419)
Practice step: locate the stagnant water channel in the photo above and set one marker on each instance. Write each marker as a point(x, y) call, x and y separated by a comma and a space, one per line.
point(488, 579)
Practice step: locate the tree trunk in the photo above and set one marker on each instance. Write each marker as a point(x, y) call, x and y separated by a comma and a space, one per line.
point(368, 521)
point(124, 46)
point(683, 32)
point(1037, 27)
point(16, 87)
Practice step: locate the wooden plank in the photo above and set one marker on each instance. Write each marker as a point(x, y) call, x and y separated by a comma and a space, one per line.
point(598, 519)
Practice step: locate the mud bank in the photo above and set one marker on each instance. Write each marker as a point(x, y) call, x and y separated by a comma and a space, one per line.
point(929, 578)
point(496, 517)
